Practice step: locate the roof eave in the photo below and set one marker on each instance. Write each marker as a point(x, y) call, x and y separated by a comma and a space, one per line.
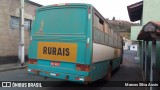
point(135, 11)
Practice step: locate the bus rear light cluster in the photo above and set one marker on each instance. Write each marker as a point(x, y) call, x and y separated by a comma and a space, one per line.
point(32, 61)
point(56, 64)
point(80, 79)
point(82, 67)
point(54, 74)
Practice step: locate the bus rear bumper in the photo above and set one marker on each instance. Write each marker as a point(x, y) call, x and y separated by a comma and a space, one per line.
point(58, 75)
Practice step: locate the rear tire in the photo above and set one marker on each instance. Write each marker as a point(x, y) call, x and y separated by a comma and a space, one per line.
point(109, 73)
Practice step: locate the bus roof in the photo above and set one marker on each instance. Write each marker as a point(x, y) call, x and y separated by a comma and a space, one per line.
point(64, 4)
point(74, 4)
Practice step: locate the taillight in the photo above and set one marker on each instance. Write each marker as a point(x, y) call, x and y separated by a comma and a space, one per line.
point(82, 67)
point(54, 74)
point(55, 63)
point(32, 61)
point(80, 79)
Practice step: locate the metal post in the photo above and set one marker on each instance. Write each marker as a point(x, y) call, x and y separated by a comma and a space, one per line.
point(21, 44)
point(143, 50)
point(146, 55)
point(153, 58)
point(138, 53)
point(141, 53)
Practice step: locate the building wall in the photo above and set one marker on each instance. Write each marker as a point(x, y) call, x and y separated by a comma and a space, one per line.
point(125, 34)
point(127, 44)
point(9, 38)
point(135, 31)
point(150, 13)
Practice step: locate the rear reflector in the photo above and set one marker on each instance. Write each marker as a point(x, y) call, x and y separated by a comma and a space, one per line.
point(34, 71)
point(82, 67)
point(32, 61)
point(56, 64)
point(29, 70)
point(89, 13)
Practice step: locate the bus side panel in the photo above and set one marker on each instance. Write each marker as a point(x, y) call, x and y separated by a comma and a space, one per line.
point(116, 63)
point(103, 56)
point(89, 43)
point(102, 52)
point(99, 70)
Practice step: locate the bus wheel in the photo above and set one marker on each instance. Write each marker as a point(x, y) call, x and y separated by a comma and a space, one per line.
point(108, 76)
point(86, 83)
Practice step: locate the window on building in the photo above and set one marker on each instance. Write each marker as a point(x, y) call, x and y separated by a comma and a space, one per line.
point(27, 24)
point(14, 23)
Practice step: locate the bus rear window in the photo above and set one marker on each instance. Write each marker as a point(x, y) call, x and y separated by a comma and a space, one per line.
point(67, 20)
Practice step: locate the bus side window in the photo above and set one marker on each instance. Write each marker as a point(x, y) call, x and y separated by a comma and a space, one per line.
point(109, 31)
point(106, 28)
point(95, 21)
point(98, 23)
point(112, 33)
point(101, 26)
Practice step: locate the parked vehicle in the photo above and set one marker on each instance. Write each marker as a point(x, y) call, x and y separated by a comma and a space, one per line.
point(73, 42)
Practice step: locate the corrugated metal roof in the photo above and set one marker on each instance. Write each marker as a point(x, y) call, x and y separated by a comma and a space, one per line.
point(150, 31)
point(28, 1)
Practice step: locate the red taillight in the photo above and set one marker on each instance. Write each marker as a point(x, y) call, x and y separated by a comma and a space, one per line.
point(54, 74)
point(55, 63)
point(79, 79)
point(32, 61)
point(82, 67)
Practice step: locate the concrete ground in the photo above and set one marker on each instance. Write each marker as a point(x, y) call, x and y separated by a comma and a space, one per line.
point(129, 71)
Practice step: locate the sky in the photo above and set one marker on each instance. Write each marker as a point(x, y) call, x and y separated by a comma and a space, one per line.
point(108, 8)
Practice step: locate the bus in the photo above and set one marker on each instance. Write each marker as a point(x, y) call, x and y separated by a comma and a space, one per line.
point(73, 42)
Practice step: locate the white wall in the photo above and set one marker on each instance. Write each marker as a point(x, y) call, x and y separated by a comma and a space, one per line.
point(133, 47)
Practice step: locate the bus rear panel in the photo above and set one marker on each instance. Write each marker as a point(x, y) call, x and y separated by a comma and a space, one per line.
point(66, 45)
point(59, 47)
